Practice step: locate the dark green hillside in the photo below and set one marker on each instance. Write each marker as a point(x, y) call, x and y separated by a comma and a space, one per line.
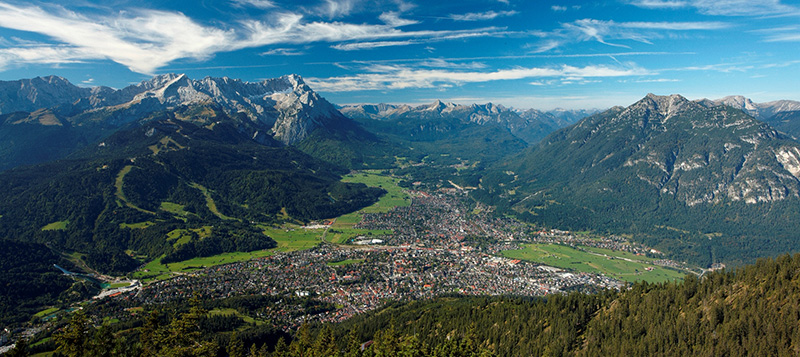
point(704, 184)
point(345, 143)
point(449, 137)
point(787, 122)
point(28, 281)
point(164, 175)
point(25, 140)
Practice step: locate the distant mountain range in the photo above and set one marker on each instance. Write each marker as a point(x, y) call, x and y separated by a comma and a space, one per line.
point(529, 125)
point(51, 110)
point(760, 111)
point(666, 165)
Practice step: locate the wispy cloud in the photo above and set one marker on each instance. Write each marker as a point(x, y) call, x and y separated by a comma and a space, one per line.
point(371, 45)
point(393, 19)
point(283, 52)
point(52, 55)
point(146, 40)
point(260, 4)
point(421, 37)
point(781, 34)
point(385, 77)
point(608, 32)
point(443, 63)
point(337, 8)
point(653, 80)
point(559, 8)
point(481, 16)
point(160, 37)
point(724, 7)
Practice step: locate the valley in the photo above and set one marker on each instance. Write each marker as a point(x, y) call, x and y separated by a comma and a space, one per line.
point(265, 223)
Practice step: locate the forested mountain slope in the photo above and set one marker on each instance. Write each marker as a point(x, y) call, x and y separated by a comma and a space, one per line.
point(706, 184)
point(164, 175)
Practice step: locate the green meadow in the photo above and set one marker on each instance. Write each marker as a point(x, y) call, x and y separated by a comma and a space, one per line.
point(290, 237)
point(345, 262)
point(612, 265)
point(56, 226)
point(343, 230)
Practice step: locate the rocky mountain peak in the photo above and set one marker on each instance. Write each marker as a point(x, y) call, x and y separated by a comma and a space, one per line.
point(296, 82)
point(656, 107)
point(668, 105)
point(760, 111)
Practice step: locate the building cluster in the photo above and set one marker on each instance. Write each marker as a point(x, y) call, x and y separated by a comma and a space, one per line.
point(377, 276)
point(441, 244)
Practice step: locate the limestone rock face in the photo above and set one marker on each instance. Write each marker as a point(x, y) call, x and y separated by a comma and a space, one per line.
point(683, 150)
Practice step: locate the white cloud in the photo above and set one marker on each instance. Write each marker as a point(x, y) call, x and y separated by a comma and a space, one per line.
point(370, 45)
point(385, 77)
point(146, 40)
point(785, 37)
point(724, 7)
point(261, 4)
point(557, 8)
point(283, 52)
point(393, 19)
point(337, 8)
point(53, 55)
point(442, 63)
point(423, 37)
point(660, 4)
point(675, 26)
point(604, 32)
point(142, 42)
point(481, 16)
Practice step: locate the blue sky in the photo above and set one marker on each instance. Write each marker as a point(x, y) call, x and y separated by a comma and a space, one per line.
point(521, 53)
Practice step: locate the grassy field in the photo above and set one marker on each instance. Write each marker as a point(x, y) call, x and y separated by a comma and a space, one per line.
point(570, 258)
point(244, 318)
point(219, 259)
point(153, 271)
point(394, 197)
point(56, 226)
point(118, 285)
point(140, 225)
point(44, 313)
point(345, 262)
point(120, 193)
point(292, 237)
point(626, 255)
point(343, 235)
point(212, 206)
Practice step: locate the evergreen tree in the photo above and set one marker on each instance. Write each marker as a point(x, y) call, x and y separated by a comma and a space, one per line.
point(73, 340)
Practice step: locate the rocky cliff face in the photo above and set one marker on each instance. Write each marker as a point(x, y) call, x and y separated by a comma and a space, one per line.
point(704, 183)
point(716, 154)
point(760, 111)
point(31, 94)
point(681, 149)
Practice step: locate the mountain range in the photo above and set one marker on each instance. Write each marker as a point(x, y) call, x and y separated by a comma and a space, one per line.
point(707, 181)
point(760, 111)
point(279, 111)
point(530, 125)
